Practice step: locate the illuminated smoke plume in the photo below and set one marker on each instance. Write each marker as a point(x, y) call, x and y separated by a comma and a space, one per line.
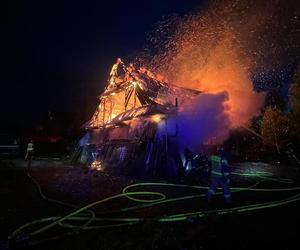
point(203, 121)
point(222, 47)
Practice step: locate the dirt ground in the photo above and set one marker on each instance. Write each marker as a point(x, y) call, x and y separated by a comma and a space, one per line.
point(276, 227)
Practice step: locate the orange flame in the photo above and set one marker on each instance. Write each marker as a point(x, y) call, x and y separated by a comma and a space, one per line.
point(223, 72)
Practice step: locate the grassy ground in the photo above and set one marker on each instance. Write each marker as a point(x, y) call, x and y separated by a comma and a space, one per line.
point(20, 203)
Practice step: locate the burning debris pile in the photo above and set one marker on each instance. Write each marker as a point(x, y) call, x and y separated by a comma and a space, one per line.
point(136, 126)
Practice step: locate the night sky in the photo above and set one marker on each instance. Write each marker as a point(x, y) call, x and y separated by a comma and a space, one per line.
point(57, 54)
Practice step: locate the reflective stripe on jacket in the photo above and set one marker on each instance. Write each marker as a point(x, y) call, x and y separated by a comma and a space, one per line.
point(30, 147)
point(219, 166)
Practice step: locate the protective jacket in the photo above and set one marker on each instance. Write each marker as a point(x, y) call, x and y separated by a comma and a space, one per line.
point(219, 166)
point(30, 147)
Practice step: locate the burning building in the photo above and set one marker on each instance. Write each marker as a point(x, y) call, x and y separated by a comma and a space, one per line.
point(134, 129)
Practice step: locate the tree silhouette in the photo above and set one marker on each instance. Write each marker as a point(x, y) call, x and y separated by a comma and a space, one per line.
point(275, 127)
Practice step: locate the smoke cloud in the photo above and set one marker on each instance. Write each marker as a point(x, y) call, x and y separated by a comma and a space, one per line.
point(203, 120)
point(219, 50)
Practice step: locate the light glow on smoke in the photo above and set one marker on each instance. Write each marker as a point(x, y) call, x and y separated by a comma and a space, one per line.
point(219, 50)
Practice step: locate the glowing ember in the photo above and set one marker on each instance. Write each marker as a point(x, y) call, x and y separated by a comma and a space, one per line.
point(96, 165)
point(157, 118)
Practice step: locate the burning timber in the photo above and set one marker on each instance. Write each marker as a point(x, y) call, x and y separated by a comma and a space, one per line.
point(133, 130)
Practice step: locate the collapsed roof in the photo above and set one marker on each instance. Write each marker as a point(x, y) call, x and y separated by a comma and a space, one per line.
point(132, 92)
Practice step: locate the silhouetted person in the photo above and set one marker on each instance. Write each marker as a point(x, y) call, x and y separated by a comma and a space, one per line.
point(220, 176)
point(29, 153)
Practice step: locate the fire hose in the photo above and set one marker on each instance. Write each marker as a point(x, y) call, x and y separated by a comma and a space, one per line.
point(28, 233)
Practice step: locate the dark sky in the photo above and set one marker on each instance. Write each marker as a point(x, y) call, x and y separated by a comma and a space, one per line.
point(55, 54)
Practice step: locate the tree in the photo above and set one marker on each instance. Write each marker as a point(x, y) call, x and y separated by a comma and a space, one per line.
point(294, 101)
point(275, 127)
point(275, 98)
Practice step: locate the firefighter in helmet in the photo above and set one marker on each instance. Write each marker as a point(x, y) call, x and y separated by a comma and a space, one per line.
point(220, 175)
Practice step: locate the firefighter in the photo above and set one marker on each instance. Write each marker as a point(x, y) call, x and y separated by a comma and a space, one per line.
point(29, 153)
point(220, 176)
